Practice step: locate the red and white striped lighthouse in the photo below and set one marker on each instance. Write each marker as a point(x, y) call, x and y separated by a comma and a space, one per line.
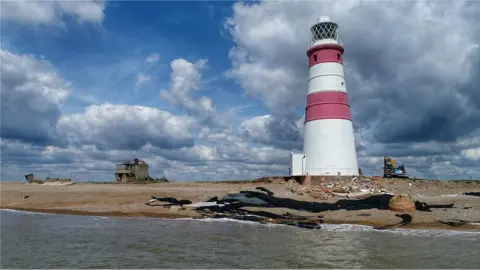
point(329, 144)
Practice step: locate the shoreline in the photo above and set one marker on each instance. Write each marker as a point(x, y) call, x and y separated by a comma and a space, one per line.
point(129, 200)
point(173, 216)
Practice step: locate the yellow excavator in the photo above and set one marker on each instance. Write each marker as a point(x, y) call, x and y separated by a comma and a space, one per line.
point(389, 169)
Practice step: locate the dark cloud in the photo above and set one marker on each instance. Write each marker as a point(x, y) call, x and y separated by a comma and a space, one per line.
point(420, 109)
point(32, 94)
point(412, 81)
point(403, 74)
point(283, 133)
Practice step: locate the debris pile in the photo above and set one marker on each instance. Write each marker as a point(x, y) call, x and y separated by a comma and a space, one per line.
point(61, 180)
point(357, 187)
point(30, 178)
point(239, 206)
point(318, 192)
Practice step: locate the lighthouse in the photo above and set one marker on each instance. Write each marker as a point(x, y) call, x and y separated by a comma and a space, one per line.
point(329, 143)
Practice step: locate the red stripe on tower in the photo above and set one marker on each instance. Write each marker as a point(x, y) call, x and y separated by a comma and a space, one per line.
point(325, 53)
point(327, 105)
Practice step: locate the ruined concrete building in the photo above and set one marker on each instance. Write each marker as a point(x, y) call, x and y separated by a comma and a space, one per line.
point(131, 171)
point(31, 179)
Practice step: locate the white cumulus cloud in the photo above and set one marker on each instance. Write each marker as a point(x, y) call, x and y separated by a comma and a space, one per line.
point(472, 153)
point(51, 12)
point(127, 127)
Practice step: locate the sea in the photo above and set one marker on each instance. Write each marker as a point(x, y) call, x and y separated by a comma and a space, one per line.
point(36, 240)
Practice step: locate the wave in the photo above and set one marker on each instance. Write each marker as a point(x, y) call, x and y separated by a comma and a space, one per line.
point(41, 213)
point(349, 228)
point(23, 212)
point(406, 232)
point(324, 227)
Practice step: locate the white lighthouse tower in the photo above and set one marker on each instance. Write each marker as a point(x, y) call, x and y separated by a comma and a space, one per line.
point(329, 144)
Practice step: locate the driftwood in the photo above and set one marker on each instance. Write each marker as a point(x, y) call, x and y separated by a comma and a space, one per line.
point(421, 206)
point(454, 222)
point(170, 200)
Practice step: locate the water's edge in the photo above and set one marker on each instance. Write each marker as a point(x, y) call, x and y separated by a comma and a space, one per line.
point(325, 226)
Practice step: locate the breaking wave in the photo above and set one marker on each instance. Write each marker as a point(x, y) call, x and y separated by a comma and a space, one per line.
point(41, 213)
point(324, 227)
point(349, 228)
point(24, 212)
point(365, 228)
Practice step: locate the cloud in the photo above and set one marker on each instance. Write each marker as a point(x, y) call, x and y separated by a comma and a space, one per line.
point(417, 65)
point(411, 83)
point(215, 156)
point(471, 153)
point(152, 58)
point(33, 94)
point(185, 78)
point(89, 143)
point(141, 79)
point(283, 133)
point(109, 126)
point(412, 91)
point(51, 12)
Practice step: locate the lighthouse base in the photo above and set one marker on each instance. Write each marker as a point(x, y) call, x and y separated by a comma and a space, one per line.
point(297, 168)
point(329, 148)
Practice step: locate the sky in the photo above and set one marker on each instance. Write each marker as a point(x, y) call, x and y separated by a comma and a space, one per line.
point(216, 90)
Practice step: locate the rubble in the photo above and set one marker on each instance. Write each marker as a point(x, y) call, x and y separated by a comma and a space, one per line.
point(349, 187)
point(30, 178)
point(358, 193)
point(237, 205)
point(356, 187)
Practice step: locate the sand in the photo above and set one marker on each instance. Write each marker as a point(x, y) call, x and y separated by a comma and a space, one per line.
point(129, 200)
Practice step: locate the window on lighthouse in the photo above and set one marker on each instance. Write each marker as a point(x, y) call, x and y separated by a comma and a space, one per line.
point(315, 58)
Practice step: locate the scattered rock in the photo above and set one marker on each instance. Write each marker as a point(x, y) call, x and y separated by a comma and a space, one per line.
point(472, 193)
point(401, 203)
point(319, 195)
point(454, 222)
